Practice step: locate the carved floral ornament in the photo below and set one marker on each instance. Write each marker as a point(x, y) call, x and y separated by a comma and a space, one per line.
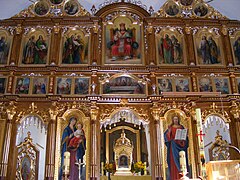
point(9, 29)
point(33, 110)
point(218, 111)
point(27, 157)
point(170, 28)
point(136, 116)
point(86, 29)
point(183, 107)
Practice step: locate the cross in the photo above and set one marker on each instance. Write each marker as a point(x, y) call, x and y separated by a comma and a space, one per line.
point(201, 135)
point(80, 163)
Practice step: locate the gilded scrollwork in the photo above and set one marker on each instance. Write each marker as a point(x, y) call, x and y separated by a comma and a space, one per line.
point(214, 109)
point(235, 109)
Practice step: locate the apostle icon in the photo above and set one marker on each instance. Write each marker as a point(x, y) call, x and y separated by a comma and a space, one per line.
point(201, 10)
point(236, 47)
point(4, 49)
point(71, 8)
point(172, 10)
point(41, 8)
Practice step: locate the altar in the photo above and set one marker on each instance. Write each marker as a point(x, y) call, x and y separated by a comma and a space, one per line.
point(127, 177)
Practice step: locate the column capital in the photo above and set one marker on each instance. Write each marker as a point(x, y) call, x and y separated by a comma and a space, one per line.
point(94, 111)
point(11, 110)
point(155, 111)
point(53, 111)
point(235, 109)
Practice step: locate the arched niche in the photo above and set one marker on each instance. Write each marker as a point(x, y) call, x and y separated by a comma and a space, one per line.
point(212, 124)
point(165, 121)
point(62, 123)
point(136, 129)
point(34, 125)
point(123, 34)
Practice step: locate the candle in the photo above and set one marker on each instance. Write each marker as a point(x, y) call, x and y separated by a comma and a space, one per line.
point(66, 162)
point(183, 165)
point(145, 168)
point(199, 118)
point(102, 168)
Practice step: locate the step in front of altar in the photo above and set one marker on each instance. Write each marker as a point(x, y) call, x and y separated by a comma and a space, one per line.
point(132, 177)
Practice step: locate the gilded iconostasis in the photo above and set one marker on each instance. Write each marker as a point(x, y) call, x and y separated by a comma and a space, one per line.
point(88, 93)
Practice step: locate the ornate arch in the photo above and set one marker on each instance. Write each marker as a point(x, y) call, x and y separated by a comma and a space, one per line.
point(62, 122)
point(215, 110)
point(141, 113)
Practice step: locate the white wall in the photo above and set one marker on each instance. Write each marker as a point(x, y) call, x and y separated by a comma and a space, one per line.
point(39, 136)
point(211, 125)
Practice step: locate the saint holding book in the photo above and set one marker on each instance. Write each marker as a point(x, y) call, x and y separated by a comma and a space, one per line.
point(176, 140)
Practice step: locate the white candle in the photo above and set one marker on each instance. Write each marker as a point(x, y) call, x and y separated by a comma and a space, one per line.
point(182, 159)
point(199, 118)
point(66, 162)
point(145, 168)
point(102, 168)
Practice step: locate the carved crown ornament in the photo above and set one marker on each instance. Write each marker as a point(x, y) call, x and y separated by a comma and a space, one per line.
point(164, 107)
point(61, 108)
point(108, 2)
point(29, 29)
point(86, 28)
point(47, 8)
point(27, 157)
point(191, 9)
point(124, 112)
point(9, 29)
point(214, 109)
point(171, 28)
point(33, 110)
point(8, 110)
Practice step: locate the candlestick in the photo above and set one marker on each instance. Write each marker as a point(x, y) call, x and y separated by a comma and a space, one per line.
point(145, 168)
point(183, 164)
point(199, 118)
point(102, 168)
point(66, 162)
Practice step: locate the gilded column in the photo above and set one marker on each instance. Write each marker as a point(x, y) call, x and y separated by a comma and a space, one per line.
point(233, 83)
point(157, 160)
point(4, 166)
point(190, 45)
point(55, 47)
point(51, 142)
point(95, 143)
point(194, 82)
point(16, 45)
point(96, 55)
point(10, 83)
point(227, 45)
point(151, 55)
point(235, 111)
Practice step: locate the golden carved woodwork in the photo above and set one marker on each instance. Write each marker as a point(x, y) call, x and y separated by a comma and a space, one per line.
point(218, 110)
point(27, 160)
point(62, 122)
point(219, 150)
point(96, 108)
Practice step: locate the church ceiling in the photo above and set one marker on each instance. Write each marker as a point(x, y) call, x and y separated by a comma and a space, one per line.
point(229, 8)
